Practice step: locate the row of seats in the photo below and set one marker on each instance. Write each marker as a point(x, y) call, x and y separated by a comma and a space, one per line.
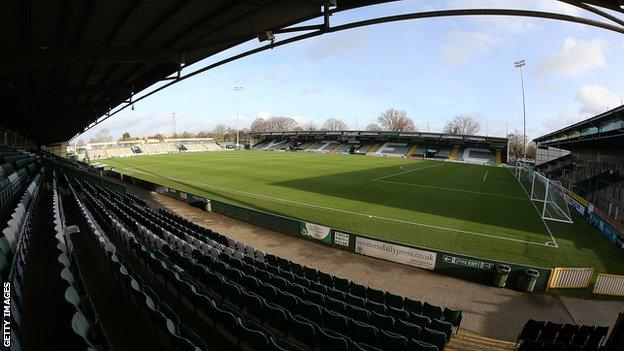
point(539, 335)
point(14, 247)
point(82, 317)
point(384, 320)
point(162, 318)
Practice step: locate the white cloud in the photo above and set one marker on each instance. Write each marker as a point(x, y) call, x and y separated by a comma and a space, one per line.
point(596, 98)
point(575, 58)
point(462, 45)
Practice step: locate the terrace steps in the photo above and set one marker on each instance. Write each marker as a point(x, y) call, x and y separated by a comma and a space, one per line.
point(499, 157)
point(454, 153)
point(468, 341)
point(335, 150)
point(410, 152)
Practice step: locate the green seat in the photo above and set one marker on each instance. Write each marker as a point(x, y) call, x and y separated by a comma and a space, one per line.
point(394, 300)
point(336, 321)
point(81, 327)
point(432, 311)
point(363, 332)
point(434, 337)
point(419, 320)
point(452, 316)
point(391, 341)
point(417, 345)
point(442, 326)
point(330, 341)
point(413, 306)
point(409, 330)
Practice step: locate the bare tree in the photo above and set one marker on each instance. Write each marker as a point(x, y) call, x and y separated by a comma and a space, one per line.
point(462, 125)
point(187, 135)
point(516, 146)
point(258, 125)
point(281, 124)
point(202, 134)
point(125, 137)
point(219, 131)
point(158, 136)
point(309, 126)
point(373, 127)
point(396, 121)
point(103, 136)
point(333, 125)
point(80, 143)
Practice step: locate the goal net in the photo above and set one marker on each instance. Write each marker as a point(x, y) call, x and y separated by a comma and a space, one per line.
point(547, 194)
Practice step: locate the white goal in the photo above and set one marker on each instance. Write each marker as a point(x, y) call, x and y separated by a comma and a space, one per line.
point(546, 193)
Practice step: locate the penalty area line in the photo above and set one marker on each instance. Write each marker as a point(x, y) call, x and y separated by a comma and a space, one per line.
point(333, 209)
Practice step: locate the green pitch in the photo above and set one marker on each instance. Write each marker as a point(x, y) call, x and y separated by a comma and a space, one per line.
point(475, 210)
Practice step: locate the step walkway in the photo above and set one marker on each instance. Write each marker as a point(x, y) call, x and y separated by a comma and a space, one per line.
point(468, 341)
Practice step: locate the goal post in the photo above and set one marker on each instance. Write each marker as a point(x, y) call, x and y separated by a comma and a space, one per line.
point(547, 194)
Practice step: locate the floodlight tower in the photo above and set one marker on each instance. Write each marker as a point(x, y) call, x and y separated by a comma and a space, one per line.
point(519, 64)
point(237, 90)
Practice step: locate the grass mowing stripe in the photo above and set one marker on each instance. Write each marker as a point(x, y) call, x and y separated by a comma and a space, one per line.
point(342, 210)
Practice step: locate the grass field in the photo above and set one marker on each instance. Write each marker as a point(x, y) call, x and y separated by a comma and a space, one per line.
point(475, 210)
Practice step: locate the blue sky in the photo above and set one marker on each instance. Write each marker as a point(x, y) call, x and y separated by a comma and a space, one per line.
point(434, 69)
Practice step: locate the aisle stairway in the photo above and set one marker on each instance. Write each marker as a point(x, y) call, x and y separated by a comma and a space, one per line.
point(454, 153)
point(499, 157)
point(411, 151)
point(468, 341)
point(374, 149)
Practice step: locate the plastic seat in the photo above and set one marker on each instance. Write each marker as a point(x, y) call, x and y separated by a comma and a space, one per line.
point(277, 317)
point(442, 326)
point(595, 338)
point(381, 321)
point(336, 294)
point(355, 300)
point(432, 311)
point(409, 330)
point(335, 305)
point(325, 279)
point(254, 337)
point(549, 332)
point(581, 336)
point(362, 332)
point(329, 341)
point(336, 322)
point(397, 313)
point(375, 295)
point(360, 346)
point(315, 297)
point(419, 320)
point(452, 316)
point(310, 273)
point(311, 311)
point(433, 337)
point(389, 341)
point(417, 345)
point(357, 289)
point(341, 284)
point(531, 331)
point(566, 333)
point(393, 300)
point(303, 330)
point(357, 313)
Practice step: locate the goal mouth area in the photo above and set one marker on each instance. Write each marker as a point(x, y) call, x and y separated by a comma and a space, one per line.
point(546, 193)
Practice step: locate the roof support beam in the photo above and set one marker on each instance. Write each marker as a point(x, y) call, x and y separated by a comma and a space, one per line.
point(50, 58)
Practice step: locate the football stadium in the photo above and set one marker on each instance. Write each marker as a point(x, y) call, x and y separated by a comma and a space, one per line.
point(213, 230)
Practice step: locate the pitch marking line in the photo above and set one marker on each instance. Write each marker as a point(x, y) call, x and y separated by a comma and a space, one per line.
point(553, 242)
point(303, 204)
point(383, 179)
point(485, 176)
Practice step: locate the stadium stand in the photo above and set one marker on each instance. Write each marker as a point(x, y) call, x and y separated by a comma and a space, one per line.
point(539, 335)
point(473, 149)
point(256, 300)
point(125, 149)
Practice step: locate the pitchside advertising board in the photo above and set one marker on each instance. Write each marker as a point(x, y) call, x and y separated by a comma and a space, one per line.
point(316, 231)
point(396, 253)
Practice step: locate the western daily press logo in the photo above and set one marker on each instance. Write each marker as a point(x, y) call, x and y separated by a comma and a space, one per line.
point(6, 315)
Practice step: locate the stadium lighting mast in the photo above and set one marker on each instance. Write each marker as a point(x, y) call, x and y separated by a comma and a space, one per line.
point(519, 64)
point(237, 90)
